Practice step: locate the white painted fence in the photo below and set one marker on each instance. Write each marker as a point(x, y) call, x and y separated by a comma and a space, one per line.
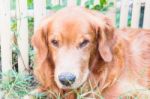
point(38, 13)
point(135, 13)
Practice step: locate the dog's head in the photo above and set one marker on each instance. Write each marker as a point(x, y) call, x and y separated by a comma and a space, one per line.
point(69, 41)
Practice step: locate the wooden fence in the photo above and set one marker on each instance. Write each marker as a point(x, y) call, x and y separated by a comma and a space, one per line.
point(135, 13)
point(38, 13)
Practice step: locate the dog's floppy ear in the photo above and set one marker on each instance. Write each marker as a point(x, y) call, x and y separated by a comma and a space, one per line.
point(39, 42)
point(44, 69)
point(105, 34)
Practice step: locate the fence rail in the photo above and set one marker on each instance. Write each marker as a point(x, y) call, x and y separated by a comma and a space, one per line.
point(38, 13)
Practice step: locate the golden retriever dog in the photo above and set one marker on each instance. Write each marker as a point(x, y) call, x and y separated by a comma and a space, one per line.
point(80, 49)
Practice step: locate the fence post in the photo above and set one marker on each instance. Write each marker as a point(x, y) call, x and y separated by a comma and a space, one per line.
point(146, 23)
point(96, 2)
point(124, 13)
point(135, 13)
point(83, 2)
point(55, 2)
point(71, 3)
point(111, 13)
point(5, 31)
point(22, 30)
point(39, 12)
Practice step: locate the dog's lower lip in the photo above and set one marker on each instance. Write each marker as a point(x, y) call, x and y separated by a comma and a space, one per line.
point(71, 87)
point(68, 87)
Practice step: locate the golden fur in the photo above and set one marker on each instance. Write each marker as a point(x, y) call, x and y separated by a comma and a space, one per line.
point(118, 60)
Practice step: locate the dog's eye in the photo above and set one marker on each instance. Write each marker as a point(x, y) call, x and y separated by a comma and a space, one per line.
point(55, 43)
point(84, 43)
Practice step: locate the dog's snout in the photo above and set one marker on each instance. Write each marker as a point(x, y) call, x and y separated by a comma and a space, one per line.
point(67, 78)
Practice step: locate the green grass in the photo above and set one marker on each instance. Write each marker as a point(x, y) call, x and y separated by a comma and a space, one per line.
point(15, 85)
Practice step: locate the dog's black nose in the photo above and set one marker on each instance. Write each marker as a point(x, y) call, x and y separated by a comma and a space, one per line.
point(67, 78)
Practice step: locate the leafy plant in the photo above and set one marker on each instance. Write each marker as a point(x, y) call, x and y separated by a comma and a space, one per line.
point(103, 5)
point(30, 4)
point(15, 85)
